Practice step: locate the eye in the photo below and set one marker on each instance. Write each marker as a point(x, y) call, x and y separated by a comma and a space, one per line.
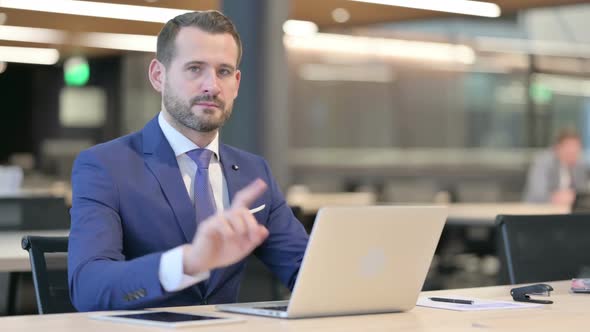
point(225, 72)
point(194, 69)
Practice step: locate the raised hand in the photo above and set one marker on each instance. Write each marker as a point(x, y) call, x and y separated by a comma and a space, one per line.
point(227, 237)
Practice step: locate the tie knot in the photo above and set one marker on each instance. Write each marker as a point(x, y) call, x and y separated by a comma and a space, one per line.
point(201, 156)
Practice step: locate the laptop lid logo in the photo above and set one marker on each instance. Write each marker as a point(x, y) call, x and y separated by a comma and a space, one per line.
point(372, 263)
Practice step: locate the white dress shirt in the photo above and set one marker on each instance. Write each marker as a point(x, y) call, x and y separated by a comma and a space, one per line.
point(565, 178)
point(171, 273)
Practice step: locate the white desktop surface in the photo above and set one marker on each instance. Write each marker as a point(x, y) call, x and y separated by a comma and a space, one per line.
point(570, 312)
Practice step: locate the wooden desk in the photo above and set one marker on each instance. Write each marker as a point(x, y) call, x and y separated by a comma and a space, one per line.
point(12, 257)
point(485, 214)
point(570, 312)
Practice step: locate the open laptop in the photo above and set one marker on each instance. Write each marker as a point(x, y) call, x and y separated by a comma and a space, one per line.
point(360, 260)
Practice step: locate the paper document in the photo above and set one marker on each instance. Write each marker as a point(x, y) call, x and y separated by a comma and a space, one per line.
point(477, 304)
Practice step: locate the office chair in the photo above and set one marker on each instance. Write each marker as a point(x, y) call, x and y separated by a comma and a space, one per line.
point(48, 256)
point(536, 248)
point(581, 203)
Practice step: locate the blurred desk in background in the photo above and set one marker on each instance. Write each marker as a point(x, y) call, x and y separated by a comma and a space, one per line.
point(484, 214)
point(310, 202)
point(33, 212)
point(38, 185)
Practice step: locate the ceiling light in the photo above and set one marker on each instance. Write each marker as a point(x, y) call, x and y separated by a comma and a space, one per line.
point(32, 35)
point(118, 41)
point(381, 47)
point(96, 9)
point(41, 56)
point(299, 28)
point(340, 15)
point(476, 8)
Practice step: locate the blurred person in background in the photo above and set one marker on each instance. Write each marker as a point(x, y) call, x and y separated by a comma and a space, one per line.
point(558, 173)
point(162, 217)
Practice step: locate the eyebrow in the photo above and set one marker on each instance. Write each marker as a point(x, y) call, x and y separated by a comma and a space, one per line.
point(224, 65)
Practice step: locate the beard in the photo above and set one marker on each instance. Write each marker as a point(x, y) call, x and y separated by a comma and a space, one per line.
point(205, 120)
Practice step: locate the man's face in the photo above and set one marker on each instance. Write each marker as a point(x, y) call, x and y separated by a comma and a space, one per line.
point(201, 81)
point(568, 151)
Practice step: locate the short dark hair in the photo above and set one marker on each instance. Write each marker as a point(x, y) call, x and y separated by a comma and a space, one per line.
point(567, 133)
point(211, 21)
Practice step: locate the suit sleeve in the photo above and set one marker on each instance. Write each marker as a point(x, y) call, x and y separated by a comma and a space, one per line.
point(99, 276)
point(282, 252)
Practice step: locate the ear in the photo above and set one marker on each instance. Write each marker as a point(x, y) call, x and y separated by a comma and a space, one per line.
point(157, 75)
point(238, 80)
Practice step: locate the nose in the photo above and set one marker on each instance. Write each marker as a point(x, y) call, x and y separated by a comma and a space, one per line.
point(210, 83)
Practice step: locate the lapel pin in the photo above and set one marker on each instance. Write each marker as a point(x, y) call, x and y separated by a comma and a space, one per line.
point(235, 167)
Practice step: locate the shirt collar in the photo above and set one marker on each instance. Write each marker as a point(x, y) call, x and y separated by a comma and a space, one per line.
point(181, 144)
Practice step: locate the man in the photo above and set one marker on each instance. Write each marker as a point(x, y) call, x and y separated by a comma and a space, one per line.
point(161, 217)
point(556, 175)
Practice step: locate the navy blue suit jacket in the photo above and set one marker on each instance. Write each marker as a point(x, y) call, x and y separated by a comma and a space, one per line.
point(130, 205)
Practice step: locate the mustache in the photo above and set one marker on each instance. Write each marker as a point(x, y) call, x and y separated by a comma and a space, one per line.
point(208, 98)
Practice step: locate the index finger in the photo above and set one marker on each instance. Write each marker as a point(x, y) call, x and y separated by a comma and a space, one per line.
point(247, 195)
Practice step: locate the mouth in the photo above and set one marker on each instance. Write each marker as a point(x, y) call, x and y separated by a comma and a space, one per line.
point(205, 104)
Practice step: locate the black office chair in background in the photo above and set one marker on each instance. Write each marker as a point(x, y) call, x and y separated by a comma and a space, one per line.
point(48, 256)
point(537, 248)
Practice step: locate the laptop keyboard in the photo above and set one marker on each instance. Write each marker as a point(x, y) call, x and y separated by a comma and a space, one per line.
point(277, 308)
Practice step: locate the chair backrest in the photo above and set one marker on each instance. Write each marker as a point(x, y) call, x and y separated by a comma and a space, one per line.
point(48, 256)
point(536, 248)
point(581, 203)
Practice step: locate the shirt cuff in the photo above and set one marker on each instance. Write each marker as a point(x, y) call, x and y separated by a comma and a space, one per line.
point(171, 273)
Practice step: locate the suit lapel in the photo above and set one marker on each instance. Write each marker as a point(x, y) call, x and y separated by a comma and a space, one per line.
point(161, 160)
point(235, 180)
point(234, 176)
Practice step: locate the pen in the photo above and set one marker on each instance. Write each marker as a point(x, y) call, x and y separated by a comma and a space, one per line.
point(260, 208)
point(442, 299)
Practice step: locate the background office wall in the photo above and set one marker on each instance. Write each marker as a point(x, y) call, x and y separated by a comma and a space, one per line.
point(30, 98)
point(436, 124)
point(420, 121)
point(15, 127)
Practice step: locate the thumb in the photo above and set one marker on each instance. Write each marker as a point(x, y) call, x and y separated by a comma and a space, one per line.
point(245, 197)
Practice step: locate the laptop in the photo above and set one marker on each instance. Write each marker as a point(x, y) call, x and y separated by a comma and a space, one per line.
point(360, 260)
